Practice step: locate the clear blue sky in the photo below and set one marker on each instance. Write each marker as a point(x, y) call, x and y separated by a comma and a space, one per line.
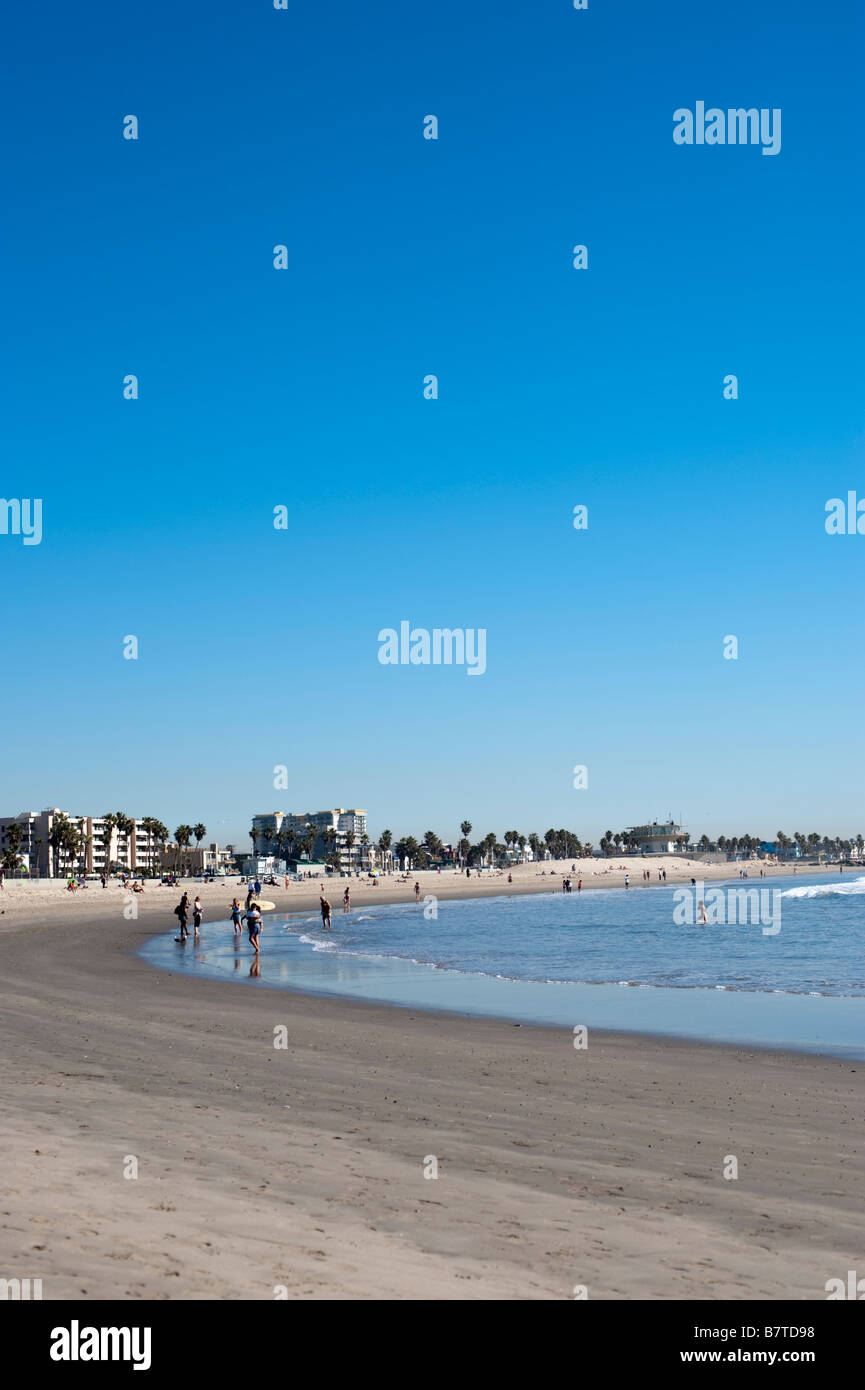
point(259, 647)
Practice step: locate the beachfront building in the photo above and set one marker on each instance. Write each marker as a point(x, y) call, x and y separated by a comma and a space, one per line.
point(658, 838)
point(97, 846)
point(316, 835)
point(198, 859)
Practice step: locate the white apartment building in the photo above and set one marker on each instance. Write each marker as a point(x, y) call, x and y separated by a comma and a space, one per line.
point(131, 853)
point(279, 833)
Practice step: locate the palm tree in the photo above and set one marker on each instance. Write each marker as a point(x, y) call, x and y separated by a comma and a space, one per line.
point(385, 840)
point(407, 850)
point(57, 839)
point(182, 838)
point(13, 835)
point(432, 844)
point(466, 828)
point(124, 826)
point(109, 823)
point(199, 831)
point(160, 835)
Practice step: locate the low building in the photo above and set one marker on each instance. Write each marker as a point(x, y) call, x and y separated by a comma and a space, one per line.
point(198, 860)
point(665, 837)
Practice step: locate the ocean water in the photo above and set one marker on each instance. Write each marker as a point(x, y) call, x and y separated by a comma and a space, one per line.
point(631, 960)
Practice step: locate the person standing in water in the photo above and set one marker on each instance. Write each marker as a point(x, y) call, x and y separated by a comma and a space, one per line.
point(197, 910)
point(253, 924)
point(417, 891)
point(325, 913)
point(235, 916)
point(346, 900)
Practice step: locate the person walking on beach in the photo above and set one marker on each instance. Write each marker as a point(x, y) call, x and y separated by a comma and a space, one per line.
point(235, 916)
point(627, 884)
point(257, 889)
point(325, 913)
point(197, 910)
point(346, 900)
point(182, 914)
point(416, 891)
point(253, 923)
point(580, 886)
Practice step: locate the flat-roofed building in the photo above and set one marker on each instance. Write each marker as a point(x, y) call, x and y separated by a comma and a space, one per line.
point(658, 838)
point(325, 833)
point(98, 846)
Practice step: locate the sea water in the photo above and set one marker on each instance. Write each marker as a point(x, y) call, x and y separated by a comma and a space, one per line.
point(604, 958)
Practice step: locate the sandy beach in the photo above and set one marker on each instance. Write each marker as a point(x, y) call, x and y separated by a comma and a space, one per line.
point(261, 1169)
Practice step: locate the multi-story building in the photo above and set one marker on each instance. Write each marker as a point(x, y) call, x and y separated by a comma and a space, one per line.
point(280, 833)
point(96, 851)
point(665, 838)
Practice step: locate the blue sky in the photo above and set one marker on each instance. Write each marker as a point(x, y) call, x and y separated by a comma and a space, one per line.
point(604, 387)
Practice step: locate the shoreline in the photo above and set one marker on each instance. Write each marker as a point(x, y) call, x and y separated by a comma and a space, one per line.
point(304, 1166)
point(22, 898)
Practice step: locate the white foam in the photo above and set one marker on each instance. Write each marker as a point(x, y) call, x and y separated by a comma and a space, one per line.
point(852, 889)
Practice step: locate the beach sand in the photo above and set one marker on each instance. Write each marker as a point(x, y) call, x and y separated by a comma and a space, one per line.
point(303, 1168)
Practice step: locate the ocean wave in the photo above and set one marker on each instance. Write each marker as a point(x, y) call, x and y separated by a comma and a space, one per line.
point(854, 889)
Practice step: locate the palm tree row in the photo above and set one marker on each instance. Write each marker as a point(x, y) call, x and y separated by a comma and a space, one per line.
point(564, 844)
